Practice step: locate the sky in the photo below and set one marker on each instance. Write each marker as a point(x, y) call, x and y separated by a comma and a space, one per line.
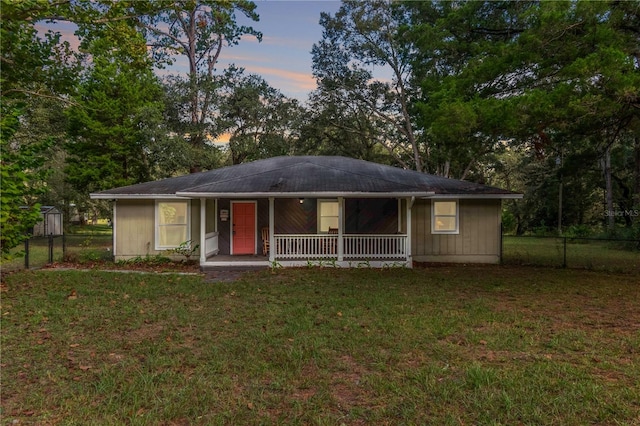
point(283, 58)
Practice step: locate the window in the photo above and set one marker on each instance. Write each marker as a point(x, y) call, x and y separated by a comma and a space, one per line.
point(327, 215)
point(444, 217)
point(172, 223)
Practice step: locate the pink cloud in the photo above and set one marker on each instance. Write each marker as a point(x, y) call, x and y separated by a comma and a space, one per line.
point(295, 79)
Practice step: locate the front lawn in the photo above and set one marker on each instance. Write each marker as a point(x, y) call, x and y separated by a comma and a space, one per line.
point(442, 346)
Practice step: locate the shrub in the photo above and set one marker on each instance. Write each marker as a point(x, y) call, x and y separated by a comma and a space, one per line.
point(186, 249)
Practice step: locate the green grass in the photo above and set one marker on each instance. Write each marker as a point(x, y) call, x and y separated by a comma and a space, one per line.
point(98, 229)
point(442, 346)
point(580, 254)
point(80, 247)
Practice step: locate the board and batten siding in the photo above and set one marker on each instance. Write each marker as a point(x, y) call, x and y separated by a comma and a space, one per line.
point(478, 240)
point(135, 229)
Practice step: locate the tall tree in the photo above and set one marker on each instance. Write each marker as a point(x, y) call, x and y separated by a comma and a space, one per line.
point(197, 30)
point(361, 38)
point(117, 114)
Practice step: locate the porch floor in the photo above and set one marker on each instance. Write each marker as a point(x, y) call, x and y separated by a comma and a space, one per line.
point(237, 261)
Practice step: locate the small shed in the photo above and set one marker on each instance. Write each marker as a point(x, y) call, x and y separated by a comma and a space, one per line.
point(50, 222)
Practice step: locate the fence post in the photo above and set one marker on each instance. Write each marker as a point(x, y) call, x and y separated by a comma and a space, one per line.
point(564, 256)
point(50, 248)
point(501, 241)
point(26, 253)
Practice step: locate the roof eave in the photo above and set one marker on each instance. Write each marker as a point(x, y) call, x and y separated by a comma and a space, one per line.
point(101, 196)
point(314, 194)
point(479, 196)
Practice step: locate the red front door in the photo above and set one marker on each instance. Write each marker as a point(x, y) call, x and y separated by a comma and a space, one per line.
point(244, 228)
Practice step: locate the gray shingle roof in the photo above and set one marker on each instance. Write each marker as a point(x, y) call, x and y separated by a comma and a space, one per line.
point(306, 175)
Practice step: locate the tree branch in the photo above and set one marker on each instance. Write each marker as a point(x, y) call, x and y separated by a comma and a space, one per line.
point(42, 95)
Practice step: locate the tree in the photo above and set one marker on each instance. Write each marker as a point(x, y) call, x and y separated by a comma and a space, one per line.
point(360, 37)
point(117, 113)
point(33, 66)
point(340, 128)
point(197, 30)
point(261, 121)
point(20, 175)
point(557, 79)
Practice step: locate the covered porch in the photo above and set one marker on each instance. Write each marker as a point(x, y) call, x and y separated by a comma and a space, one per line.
point(304, 231)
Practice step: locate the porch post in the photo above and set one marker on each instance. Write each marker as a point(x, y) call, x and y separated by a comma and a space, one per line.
point(272, 247)
point(203, 230)
point(215, 215)
point(340, 230)
point(410, 202)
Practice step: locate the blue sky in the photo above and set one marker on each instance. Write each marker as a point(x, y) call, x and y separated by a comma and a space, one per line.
point(283, 58)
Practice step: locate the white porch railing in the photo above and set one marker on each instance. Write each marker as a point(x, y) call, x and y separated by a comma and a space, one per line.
point(210, 244)
point(305, 246)
point(375, 246)
point(356, 246)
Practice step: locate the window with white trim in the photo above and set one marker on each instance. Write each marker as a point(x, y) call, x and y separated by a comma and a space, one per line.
point(172, 223)
point(444, 217)
point(327, 215)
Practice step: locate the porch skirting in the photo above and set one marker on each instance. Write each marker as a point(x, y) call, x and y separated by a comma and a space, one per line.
point(327, 263)
point(324, 250)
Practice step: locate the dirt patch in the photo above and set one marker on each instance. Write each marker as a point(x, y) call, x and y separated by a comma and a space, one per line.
point(226, 275)
point(127, 266)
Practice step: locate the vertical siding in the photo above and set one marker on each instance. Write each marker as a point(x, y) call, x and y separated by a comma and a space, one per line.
point(418, 232)
point(212, 215)
point(224, 228)
point(135, 234)
point(135, 227)
point(195, 223)
point(479, 230)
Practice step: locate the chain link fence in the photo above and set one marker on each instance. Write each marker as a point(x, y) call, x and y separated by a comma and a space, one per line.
point(39, 251)
point(614, 255)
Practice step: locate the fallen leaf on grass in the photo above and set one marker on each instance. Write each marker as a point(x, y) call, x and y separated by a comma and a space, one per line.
point(84, 367)
point(73, 295)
